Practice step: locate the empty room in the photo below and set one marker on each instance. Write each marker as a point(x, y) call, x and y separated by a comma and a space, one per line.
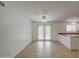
point(39, 29)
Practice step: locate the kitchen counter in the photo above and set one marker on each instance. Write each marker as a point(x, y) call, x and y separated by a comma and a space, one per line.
point(70, 34)
point(69, 39)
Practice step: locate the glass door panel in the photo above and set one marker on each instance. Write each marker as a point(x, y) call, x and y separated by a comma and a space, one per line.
point(40, 32)
point(47, 32)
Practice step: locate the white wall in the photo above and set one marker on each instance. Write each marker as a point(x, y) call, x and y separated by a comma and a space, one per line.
point(3, 35)
point(15, 31)
point(56, 28)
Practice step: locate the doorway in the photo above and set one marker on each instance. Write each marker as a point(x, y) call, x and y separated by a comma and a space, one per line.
point(44, 32)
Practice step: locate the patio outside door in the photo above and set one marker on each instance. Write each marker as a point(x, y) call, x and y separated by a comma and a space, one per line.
point(44, 32)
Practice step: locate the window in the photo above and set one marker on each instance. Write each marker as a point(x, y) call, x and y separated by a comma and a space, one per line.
point(71, 27)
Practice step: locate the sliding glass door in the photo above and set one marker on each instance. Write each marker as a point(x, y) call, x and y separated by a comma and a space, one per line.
point(44, 32)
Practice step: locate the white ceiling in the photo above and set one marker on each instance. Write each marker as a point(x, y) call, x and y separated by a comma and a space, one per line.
point(53, 10)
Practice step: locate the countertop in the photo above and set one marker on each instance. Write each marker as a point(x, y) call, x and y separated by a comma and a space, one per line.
point(70, 34)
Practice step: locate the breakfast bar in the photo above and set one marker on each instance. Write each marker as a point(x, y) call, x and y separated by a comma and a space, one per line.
point(69, 39)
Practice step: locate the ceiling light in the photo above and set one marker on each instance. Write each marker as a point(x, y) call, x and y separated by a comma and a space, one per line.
point(44, 19)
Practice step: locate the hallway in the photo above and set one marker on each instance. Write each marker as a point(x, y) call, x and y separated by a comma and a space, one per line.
point(46, 49)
